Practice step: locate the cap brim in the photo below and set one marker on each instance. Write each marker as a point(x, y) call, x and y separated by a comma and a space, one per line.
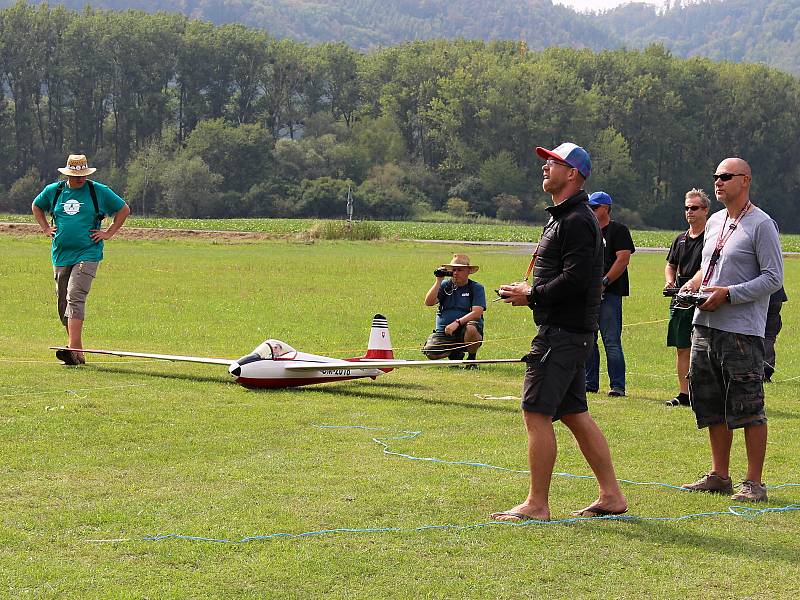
point(544, 153)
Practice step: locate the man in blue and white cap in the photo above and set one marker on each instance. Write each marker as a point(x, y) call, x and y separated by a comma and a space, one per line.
point(565, 300)
point(618, 247)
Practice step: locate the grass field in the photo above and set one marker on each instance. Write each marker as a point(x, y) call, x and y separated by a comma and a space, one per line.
point(97, 459)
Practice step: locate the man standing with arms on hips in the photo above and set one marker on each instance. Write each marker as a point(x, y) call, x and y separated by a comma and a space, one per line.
point(77, 207)
point(565, 299)
point(683, 262)
point(742, 266)
point(618, 247)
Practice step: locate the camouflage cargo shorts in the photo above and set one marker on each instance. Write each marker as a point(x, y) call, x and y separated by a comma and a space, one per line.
point(725, 378)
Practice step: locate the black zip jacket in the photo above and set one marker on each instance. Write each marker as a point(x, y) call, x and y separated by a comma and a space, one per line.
point(568, 273)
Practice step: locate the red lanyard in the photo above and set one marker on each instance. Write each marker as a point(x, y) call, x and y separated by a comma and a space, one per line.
point(723, 236)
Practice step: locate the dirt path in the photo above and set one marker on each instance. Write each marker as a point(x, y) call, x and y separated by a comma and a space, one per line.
point(142, 233)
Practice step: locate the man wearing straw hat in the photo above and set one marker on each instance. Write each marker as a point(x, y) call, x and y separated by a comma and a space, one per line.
point(459, 319)
point(77, 207)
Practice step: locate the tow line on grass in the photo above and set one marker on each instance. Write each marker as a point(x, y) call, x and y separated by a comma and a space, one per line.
point(746, 512)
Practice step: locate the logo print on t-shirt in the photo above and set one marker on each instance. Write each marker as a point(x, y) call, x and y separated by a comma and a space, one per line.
point(72, 206)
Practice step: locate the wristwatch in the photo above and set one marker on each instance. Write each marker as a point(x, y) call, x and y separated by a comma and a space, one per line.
point(728, 297)
point(605, 282)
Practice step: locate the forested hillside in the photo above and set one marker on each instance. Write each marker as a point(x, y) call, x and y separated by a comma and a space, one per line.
point(739, 30)
point(765, 31)
point(188, 119)
point(367, 24)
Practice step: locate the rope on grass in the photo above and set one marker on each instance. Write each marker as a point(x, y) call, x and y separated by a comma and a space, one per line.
point(410, 435)
point(746, 512)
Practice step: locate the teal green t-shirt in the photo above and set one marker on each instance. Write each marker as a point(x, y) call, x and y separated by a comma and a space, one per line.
point(74, 219)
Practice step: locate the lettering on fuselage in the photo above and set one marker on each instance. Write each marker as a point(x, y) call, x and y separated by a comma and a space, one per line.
point(340, 372)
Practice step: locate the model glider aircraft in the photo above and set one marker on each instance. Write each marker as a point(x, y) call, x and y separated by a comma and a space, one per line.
point(275, 364)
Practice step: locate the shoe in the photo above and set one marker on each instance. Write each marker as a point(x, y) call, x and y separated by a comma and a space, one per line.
point(616, 393)
point(750, 491)
point(679, 400)
point(471, 367)
point(712, 483)
point(68, 357)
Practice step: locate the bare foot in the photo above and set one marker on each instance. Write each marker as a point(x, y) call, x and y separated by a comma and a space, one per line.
point(522, 512)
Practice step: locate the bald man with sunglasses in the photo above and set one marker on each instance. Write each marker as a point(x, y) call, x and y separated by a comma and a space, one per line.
point(742, 266)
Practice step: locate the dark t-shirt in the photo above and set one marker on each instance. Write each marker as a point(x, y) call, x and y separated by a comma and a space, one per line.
point(686, 253)
point(616, 237)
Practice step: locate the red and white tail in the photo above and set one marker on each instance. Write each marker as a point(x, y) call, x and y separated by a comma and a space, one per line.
point(380, 344)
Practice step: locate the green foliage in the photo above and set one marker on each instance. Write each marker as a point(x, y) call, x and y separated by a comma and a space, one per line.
point(22, 192)
point(343, 230)
point(508, 207)
point(239, 154)
point(453, 119)
point(323, 197)
point(190, 188)
point(501, 174)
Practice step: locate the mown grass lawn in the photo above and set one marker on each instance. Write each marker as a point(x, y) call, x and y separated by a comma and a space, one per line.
point(124, 449)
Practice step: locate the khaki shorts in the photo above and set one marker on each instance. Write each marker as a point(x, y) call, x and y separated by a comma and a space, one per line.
point(73, 283)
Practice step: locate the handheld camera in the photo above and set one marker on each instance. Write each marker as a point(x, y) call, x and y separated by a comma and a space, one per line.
point(442, 272)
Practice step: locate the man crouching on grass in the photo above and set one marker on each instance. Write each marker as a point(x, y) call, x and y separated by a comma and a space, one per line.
point(565, 299)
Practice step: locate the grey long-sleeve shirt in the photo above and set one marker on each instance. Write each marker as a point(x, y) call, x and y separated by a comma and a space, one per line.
point(751, 266)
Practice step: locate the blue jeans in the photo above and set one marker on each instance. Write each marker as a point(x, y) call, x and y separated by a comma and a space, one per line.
point(611, 332)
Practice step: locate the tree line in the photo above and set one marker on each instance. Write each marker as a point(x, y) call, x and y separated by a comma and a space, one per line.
point(189, 119)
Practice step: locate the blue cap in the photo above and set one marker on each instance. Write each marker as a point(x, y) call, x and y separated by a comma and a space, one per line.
point(572, 154)
point(598, 198)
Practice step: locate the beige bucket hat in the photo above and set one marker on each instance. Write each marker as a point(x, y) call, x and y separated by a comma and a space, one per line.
point(77, 166)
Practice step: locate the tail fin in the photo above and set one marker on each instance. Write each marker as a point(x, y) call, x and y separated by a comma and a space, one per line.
point(380, 344)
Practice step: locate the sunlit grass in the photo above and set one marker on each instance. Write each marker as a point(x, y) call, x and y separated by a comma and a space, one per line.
point(122, 449)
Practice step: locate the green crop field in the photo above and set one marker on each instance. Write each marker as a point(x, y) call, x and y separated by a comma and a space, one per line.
point(97, 460)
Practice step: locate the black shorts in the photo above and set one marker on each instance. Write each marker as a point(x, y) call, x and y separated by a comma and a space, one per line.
point(725, 378)
point(555, 380)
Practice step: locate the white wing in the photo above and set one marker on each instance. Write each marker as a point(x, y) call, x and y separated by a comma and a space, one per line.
point(393, 364)
point(195, 359)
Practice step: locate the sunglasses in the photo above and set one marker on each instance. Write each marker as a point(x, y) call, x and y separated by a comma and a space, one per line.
point(692, 208)
point(727, 176)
